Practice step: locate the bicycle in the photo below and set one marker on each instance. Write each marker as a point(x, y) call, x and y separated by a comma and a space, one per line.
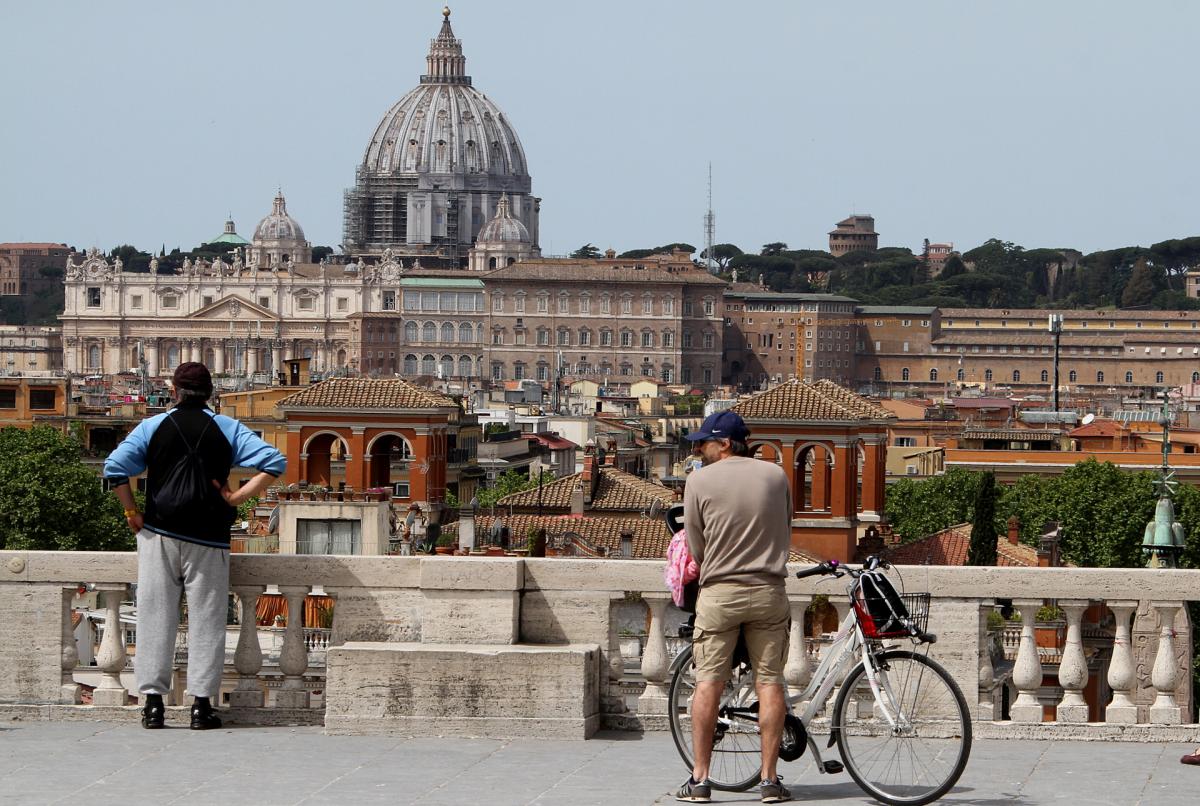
point(899, 720)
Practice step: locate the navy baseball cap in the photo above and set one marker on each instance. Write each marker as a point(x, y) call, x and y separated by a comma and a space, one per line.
point(721, 425)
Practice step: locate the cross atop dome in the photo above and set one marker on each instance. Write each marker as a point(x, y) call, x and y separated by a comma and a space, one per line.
point(445, 63)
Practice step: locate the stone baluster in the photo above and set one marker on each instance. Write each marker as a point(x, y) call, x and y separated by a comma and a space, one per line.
point(1122, 674)
point(985, 709)
point(1165, 676)
point(654, 658)
point(293, 658)
point(1072, 669)
point(248, 657)
point(69, 693)
point(111, 658)
point(1027, 671)
point(843, 609)
point(798, 669)
point(613, 701)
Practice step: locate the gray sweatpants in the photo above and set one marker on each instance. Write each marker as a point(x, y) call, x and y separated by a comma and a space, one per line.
point(166, 568)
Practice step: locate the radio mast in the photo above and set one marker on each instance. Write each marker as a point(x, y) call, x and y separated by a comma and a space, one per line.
point(710, 229)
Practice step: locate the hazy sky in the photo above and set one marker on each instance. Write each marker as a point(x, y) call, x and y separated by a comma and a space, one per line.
point(1065, 123)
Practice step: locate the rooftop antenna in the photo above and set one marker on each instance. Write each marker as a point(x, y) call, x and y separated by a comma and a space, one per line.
point(710, 228)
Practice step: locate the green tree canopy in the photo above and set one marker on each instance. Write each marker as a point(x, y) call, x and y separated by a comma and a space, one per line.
point(586, 251)
point(50, 500)
point(983, 523)
point(508, 483)
point(1141, 287)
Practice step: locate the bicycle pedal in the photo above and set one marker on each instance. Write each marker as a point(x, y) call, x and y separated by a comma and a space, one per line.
point(833, 767)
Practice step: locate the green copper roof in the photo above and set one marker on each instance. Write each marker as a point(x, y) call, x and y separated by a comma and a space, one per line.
point(230, 237)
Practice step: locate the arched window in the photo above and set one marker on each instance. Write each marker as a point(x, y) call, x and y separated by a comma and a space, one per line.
point(987, 374)
point(1158, 377)
point(464, 366)
point(1045, 376)
point(1016, 376)
point(428, 365)
point(877, 373)
point(410, 332)
point(429, 332)
point(93, 361)
point(1099, 377)
point(1128, 377)
point(933, 374)
point(410, 364)
point(1072, 376)
point(1196, 377)
point(961, 374)
point(466, 333)
point(904, 374)
point(447, 366)
point(172, 357)
point(447, 332)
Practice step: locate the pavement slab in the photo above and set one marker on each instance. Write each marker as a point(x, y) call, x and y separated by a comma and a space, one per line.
point(120, 764)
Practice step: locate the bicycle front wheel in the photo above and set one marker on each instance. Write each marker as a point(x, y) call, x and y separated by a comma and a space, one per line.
point(737, 748)
point(909, 746)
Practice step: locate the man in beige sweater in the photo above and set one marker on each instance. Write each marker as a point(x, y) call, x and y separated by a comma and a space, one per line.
point(737, 512)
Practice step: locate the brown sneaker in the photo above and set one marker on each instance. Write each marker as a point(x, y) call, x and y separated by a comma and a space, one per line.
point(1191, 758)
point(774, 791)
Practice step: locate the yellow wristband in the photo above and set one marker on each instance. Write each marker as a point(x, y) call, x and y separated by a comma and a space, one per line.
point(129, 513)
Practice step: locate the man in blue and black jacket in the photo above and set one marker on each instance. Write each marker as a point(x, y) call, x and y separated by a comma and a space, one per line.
point(183, 536)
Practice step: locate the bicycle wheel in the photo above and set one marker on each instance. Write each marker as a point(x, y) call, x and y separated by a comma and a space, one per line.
point(918, 759)
point(737, 751)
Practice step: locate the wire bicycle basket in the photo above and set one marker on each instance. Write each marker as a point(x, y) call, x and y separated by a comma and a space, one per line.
point(884, 612)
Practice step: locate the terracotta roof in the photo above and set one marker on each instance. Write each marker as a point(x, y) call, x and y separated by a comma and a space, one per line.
point(951, 547)
point(650, 538)
point(1039, 314)
point(798, 400)
point(554, 442)
point(1099, 428)
point(616, 491)
point(1025, 434)
point(366, 393)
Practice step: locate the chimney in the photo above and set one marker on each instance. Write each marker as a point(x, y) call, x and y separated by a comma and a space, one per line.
point(588, 478)
point(1014, 530)
point(626, 544)
point(577, 497)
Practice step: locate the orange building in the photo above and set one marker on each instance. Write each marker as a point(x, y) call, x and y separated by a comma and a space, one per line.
point(24, 400)
point(833, 445)
point(378, 433)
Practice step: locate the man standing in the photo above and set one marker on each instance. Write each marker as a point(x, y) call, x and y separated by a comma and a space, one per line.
point(737, 511)
point(183, 536)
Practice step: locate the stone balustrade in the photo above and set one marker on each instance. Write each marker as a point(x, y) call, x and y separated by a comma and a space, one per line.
point(1133, 687)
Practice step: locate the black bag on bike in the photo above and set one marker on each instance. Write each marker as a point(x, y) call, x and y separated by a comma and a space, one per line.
point(881, 610)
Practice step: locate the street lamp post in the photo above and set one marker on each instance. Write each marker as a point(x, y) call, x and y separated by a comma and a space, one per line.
point(1056, 324)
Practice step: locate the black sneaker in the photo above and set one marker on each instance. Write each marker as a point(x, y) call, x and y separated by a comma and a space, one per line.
point(774, 791)
point(153, 712)
point(203, 716)
point(694, 791)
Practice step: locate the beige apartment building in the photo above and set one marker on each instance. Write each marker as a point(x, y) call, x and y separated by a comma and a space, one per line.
point(659, 317)
point(924, 349)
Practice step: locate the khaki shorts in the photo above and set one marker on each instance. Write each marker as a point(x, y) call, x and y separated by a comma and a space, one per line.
point(724, 609)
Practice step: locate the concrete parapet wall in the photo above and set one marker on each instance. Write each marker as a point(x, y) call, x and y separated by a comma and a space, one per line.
point(463, 690)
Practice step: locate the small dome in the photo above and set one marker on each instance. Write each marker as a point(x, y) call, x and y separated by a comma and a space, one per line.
point(230, 236)
point(503, 228)
point(278, 226)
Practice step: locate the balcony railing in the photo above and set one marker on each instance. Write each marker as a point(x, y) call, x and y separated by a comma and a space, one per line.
point(1097, 674)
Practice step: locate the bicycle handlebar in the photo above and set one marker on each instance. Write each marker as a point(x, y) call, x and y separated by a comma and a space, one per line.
point(830, 567)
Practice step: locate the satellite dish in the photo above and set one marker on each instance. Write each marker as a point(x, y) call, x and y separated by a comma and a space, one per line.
point(655, 508)
point(1088, 419)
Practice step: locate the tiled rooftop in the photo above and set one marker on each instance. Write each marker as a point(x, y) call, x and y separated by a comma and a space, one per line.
point(617, 491)
point(366, 393)
point(798, 400)
point(951, 546)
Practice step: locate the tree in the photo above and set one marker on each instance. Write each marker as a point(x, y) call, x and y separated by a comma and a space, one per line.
point(508, 483)
point(50, 500)
point(1140, 288)
point(587, 251)
point(319, 252)
point(773, 248)
point(953, 267)
point(917, 509)
point(983, 523)
point(722, 253)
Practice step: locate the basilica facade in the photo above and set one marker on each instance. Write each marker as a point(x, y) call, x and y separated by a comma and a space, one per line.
point(443, 277)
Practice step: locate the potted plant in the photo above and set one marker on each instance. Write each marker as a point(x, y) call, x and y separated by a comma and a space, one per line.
point(536, 538)
point(290, 492)
point(320, 491)
point(446, 543)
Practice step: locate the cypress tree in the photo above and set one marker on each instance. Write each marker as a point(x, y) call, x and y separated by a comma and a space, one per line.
point(983, 523)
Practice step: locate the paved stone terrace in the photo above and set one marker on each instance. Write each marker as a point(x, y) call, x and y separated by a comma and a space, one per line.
point(119, 763)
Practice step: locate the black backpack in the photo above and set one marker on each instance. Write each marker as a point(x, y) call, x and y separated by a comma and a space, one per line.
point(184, 493)
point(882, 612)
